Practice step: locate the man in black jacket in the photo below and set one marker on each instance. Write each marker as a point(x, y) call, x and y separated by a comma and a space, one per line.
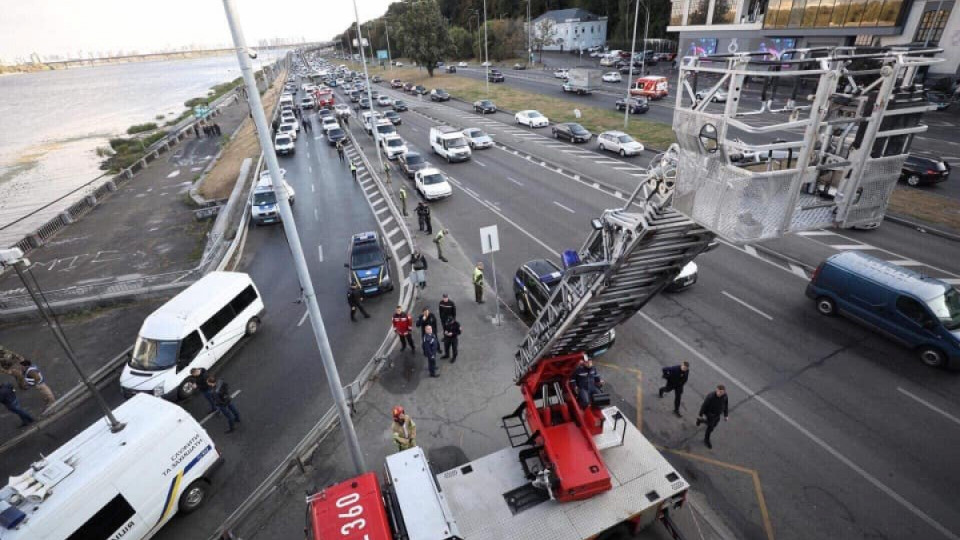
point(426, 319)
point(355, 299)
point(224, 401)
point(451, 338)
point(8, 398)
point(713, 406)
point(430, 347)
point(676, 377)
point(447, 310)
point(200, 376)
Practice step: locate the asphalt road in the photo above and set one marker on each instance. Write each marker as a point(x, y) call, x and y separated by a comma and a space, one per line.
point(847, 433)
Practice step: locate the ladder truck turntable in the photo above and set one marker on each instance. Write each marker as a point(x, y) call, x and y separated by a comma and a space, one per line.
point(578, 472)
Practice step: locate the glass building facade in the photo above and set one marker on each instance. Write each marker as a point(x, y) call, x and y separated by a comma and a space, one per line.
point(784, 14)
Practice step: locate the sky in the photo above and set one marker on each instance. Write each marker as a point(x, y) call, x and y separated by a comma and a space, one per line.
point(65, 27)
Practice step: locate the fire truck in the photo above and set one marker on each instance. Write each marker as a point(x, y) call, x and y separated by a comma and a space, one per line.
point(652, 87)
point(584, 471)
point(324, 97)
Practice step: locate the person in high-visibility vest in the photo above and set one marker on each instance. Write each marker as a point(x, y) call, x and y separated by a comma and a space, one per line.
point(478, 282)
point(438, 240)
point(353, 169)
point(403, 201)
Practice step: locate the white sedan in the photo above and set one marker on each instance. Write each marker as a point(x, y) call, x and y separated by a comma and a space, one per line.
point(719, 97)
point(561, 74)
point(384, 101)
point(612, 76)
point(462, 64)
point(531, 118)
point(432, 184)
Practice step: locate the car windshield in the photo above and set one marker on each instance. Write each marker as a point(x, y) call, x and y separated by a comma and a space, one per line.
point(154, 355)
point(283, 140)
point(456, 143)
point(286, 127)
point(533, 114)
point(625, 139)
point(395, 142)
point(947, 309)
point(577, 128)
point(486, 103)
point(383, 130)
point(429, 179)
point(264, 197)
point(366, 256)
point(335, 133)
point(398, 102)
point(413, 159)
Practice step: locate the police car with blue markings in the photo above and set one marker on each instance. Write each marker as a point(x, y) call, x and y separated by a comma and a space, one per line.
point(368, 264)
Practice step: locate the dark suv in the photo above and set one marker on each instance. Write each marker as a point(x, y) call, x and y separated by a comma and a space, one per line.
point(919, 169)
point(532, 286)
point(495, 76)
point(368, 264)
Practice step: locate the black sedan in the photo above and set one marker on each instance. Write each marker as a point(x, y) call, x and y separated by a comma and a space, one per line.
point(393, 117)
point(637, 105)
point(572, 132)
point(920, 169)
point(484, 106)
point(495, 76)
point(399, 105)
point(364, 103)
point(411, 162)
point(451, 68)
point(335, 135)
point(439, 94)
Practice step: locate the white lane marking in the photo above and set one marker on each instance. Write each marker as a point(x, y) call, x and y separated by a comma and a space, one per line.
point(310, 168)
point(843, 247)
point(195, 169)
point(746, 305)
point(752, 251)
point(306, 313)
point(211, 415)
point(493, 204)
point(564, 207)
point(316, 214)
point(798, 270)
point(806, 432)
point(398, 245)
point(514, 180)
point(414, 129)
point(907, 262)
point(313, 188)
point(929, 405)
point(478, 162)
point(627, 168)
point(320, 250)
point(317, 138)
point(382, 210)
point(308, 153)
point(174, 174)
point(816, 233)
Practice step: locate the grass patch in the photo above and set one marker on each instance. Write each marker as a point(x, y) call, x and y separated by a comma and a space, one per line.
point(925, 206)
point(125, 151)
point(141, 128)
point(656, 135)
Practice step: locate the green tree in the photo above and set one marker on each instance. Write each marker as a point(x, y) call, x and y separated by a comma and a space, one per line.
point(427, 37)
point(544, 35)
point(462, 42)
point(506, 38)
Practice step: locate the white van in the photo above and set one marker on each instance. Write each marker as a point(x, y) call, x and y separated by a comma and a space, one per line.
point(449, 143)
point(194, 329)
point(125, 485)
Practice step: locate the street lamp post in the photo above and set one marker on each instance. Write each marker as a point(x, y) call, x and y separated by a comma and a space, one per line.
point(376, 134)
point(633, 47)
point(386, 28)
point(486, 52)
point(293, 239)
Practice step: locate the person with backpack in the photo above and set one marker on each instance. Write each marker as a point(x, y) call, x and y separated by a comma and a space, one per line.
point(224, 401)
point(33, 378)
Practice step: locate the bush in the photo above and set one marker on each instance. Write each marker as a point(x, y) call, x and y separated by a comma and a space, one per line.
point(191, 103)
point(140, 128)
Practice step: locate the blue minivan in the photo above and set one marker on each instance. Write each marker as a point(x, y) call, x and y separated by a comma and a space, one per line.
point(920, 312)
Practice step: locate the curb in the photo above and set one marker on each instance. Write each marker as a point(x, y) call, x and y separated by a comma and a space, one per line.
point(919, 227)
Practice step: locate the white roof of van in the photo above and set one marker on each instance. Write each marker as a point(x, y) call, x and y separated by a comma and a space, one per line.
point(93, 455)
point(194, 305)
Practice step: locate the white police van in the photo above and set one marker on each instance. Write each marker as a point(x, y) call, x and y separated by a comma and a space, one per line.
point(124, 485)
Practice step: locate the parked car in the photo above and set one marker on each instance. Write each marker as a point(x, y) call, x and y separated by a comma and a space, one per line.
point(399, 105)
point(419, 90)
point(637, 105)
point(924, 169)
point(477, 138)
point(408, 87)
point(288, 128)
point(367, 264)
point(328, 122)
point(612, 76)
point(486, 64)
point(916, 310)
point(719, 97)
point(393, 117)
point(619, 142)
point(531, 118)
point(484, 106)
point(432, 184)
point(384, 101)
point(411, 162)
point(495, 76)
point(439, 94)
point(519, 66)
point(571, 131)
point(396, 83)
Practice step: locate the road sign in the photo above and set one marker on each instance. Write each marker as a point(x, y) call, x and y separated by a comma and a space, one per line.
point(489, 239)
point(365, 42)
point(381, 54)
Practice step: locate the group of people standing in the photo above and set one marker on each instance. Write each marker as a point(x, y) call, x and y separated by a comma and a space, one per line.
point(449, 327)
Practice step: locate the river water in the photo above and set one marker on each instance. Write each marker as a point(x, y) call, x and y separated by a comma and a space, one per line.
point(51, 122)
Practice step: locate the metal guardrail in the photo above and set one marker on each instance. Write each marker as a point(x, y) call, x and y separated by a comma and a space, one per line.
point(105, 290)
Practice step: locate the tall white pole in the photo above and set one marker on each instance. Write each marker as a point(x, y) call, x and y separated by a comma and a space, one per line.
point(486, 53)
point(633, 47)
point(366, 74)
point(646, 26)
point(386, 28)
point(293, 240)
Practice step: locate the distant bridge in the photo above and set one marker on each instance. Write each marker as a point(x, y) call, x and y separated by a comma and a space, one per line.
point(171, 55)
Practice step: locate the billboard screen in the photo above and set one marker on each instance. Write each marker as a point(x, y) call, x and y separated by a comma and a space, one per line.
point(701, 47)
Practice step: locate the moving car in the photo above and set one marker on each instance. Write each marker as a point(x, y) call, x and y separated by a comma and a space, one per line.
point(462, 64)
point(396, 83)
point(384, 101)
point(531, 118)
point(637, 105)
point(561, 73)
point(920, 312)
point(449, 143)
point(432, 184)
point(364, 103)
point(367, 266)
point(393, 117)
point(439, 94)
point(620, 143)
point(686, 278)
point(288, 128)
point(477, 138)
point(384, 128)
point(484, 106)
point(419, 90)
point(411, 162)
point(393, 146)
point(612, 76)
point(518, 66)
point(408, 87)
point(399, 105)
point(377, 78)
point(719, 97)
point(653, 87)
point(451, 68)
point(283, 144)
point(335, 135)
point(308, 103)
point(571, 131)
point(495, 76)
point(920, 169)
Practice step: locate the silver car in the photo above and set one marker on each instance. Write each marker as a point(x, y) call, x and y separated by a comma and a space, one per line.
point(477, 138)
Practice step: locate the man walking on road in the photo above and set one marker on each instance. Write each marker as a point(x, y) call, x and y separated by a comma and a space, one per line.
point(8, 397)
point(386, 170)
point(401, 325)
point(355, 299)
point(419, 266)
point(200, 376)
point(451, 338)
point(430, 349)
point(478, 282)
point(713, 406)
point(403, 201)
point(676, 377)
point(224, 401)
point(33, 378)
point(438, 240)
point(447, 310)
point(353, 170)
point(340, 150)
point(404, 430)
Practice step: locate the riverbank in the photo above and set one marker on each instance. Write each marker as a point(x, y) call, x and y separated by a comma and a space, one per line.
point(93, 62)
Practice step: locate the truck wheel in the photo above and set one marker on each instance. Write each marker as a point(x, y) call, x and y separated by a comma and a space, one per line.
point(252, 326)
point(194, 496)
point(186, 389)
point(932, 356)
point(826, 306)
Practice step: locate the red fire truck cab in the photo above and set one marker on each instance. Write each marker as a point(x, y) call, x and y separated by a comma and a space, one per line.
point(324, 97)
point(652, 87)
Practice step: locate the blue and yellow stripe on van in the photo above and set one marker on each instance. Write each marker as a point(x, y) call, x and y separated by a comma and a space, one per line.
point(175, 484)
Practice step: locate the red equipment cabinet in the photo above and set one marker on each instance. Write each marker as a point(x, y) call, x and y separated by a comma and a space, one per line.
point(352, 510)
